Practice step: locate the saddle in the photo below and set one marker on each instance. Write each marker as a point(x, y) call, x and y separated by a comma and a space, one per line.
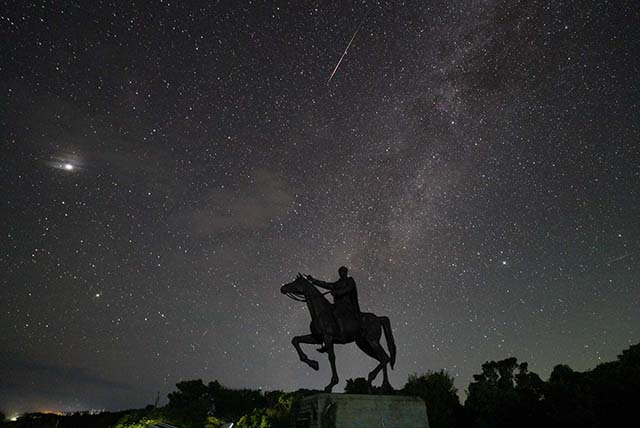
point(347, 330)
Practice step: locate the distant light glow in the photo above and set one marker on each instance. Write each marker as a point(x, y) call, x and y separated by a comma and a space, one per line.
point(69, 162)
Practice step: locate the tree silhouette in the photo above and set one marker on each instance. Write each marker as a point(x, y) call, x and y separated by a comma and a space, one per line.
point(231, 404)
point(190, 404)
point(358, 385)
point(604, 396)
point(277, 416)
point(499, 397)
point(569, 398)
point(440, 396)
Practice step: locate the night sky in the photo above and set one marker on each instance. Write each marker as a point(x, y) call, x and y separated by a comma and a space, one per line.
point(167, 166)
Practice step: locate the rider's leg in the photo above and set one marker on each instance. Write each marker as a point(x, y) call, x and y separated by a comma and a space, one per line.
point(340, 334)
point(341, 331)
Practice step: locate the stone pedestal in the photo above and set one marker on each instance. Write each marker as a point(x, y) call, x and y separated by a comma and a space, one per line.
point(359, 411)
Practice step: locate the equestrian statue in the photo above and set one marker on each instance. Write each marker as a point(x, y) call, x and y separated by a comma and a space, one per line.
point(341, 322)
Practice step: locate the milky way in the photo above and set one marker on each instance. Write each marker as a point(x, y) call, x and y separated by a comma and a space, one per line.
point(475, 165)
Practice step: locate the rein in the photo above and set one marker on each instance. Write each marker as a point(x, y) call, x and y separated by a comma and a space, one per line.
point(301, 297)
point(296, 297)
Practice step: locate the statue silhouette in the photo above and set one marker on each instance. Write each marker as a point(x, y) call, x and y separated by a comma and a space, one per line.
point(341, 323)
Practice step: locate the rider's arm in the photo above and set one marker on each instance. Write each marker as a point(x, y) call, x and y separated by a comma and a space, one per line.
point(319, 283)
point(322, 284)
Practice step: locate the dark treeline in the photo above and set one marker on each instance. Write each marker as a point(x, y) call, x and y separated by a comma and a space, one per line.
point(504, 394)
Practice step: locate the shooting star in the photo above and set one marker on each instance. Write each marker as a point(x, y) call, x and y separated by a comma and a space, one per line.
point(355, 33)
point(619, 258)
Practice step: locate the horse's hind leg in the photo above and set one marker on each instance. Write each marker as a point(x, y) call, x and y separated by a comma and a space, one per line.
point(366, 348)
point(383, 358)
point(310, 339)
point(385, 379)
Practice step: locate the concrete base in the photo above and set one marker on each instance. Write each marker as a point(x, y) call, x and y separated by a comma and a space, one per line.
point(359, 411)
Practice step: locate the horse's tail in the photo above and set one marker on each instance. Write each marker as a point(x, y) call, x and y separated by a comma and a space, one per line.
point(388, 335)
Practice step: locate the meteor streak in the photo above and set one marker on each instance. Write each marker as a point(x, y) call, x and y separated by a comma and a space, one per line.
point(619, 258)
point(355, 33)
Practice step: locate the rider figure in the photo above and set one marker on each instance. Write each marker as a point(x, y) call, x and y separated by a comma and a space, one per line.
point(346, 310)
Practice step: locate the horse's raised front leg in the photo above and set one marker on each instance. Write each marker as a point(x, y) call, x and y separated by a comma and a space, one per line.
point(310, 339)
point(328, 343)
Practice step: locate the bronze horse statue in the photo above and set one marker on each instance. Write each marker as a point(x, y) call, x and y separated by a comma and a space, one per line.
point(324, 327)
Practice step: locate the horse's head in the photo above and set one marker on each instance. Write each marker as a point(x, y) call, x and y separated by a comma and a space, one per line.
point(296, 288)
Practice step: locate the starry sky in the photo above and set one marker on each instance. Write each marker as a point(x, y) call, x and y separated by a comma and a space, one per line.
point(167, 166)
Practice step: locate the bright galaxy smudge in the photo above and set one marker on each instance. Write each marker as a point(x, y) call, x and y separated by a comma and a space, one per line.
point(67, 162)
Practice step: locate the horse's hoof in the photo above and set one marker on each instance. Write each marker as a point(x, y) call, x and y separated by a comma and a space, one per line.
point(328, 388)
point(314, 365)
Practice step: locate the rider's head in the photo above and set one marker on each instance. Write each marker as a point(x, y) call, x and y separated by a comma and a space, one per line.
point(343, 272)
